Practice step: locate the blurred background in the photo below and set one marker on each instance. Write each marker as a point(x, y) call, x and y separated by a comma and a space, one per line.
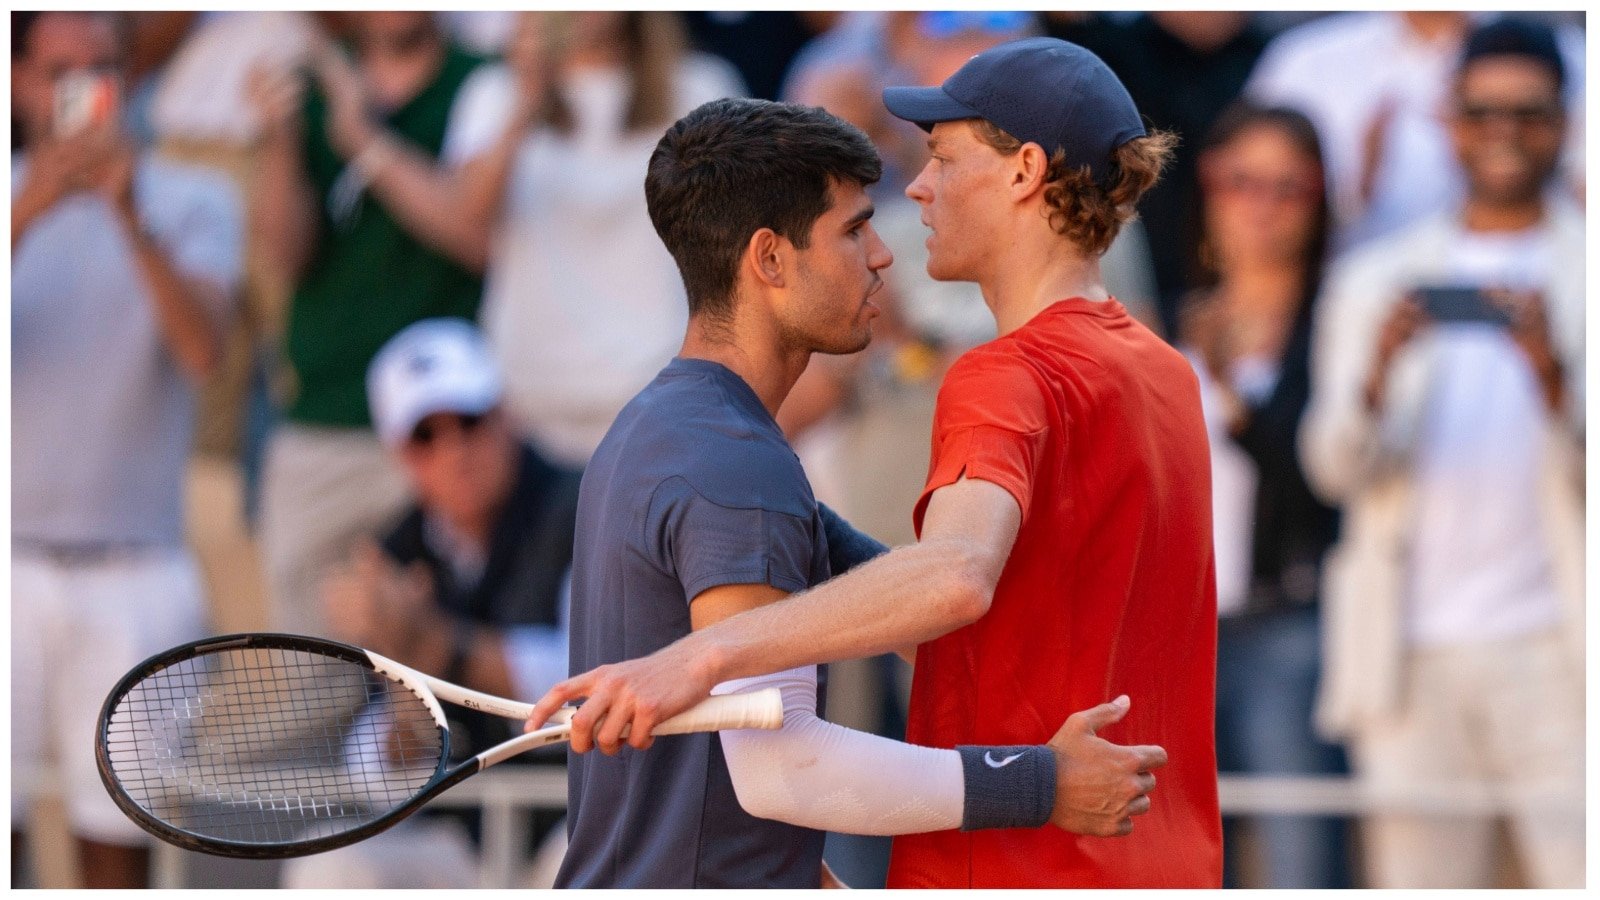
point(1370, 246)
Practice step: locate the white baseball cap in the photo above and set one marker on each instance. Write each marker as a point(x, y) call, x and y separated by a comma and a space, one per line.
point(433, 366)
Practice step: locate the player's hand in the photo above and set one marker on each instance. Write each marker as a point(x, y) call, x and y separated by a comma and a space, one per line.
point(636, 695)
point(1101, 786)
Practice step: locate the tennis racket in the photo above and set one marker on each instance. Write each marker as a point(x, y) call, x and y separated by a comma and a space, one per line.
point(274, 745)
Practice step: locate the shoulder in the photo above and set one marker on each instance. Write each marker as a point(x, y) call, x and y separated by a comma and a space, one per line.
point(994, 384)
point(490, 81)
point(690, 432)
point(1306, 50)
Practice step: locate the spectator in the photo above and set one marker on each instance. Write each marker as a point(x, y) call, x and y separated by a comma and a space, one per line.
point(200, 114)
point(582, 301)
point(122, 273)
point(1390, 161)
point(1454, 599)
point(1182, 68)
point(344, 208)
point(1264, 234)
point(468, 585)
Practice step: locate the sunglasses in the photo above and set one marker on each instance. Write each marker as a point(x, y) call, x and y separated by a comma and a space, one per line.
point(1280, 190)
point(427, 431)
point(1521, 115)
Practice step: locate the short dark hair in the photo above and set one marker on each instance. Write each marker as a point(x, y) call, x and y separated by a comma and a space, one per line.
point(734, 166)
point(1534, 41)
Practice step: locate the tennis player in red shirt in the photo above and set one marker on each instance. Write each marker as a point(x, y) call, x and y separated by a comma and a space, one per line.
point(1064, 552)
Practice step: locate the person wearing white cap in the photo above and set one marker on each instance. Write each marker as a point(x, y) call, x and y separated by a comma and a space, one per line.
point(469, 584)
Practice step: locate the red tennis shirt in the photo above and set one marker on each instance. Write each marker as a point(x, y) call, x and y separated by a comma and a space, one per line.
point(1093, 424)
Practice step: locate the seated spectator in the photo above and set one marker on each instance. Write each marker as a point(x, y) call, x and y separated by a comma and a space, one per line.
point(468, 585)
point(1264, 234)
point(1449, 424)
point(123, 270)
point(344, 209)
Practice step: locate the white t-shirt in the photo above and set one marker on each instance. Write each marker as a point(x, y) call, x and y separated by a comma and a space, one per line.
point(1480, 568)
point(582, 302)
point(101, 416)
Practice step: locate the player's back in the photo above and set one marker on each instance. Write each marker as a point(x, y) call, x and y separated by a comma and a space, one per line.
point(694, 447)
point(1109, 590)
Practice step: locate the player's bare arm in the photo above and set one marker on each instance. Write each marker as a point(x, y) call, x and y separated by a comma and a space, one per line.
point(1098, 786)
point(905, 597)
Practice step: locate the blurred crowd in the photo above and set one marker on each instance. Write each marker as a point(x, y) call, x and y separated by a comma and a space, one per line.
point(371, 287)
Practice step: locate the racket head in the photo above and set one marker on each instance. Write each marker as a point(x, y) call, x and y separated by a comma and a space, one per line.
point(263, 746)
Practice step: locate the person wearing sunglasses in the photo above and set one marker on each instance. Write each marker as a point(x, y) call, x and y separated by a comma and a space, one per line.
point(1447, 417)
point(469, 583)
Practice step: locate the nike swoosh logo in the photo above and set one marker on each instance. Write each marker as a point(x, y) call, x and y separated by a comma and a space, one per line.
point(988, 757)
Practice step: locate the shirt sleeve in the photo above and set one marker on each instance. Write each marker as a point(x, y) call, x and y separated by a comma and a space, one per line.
point(706, 544)
point(479, 115)
point(991, 424)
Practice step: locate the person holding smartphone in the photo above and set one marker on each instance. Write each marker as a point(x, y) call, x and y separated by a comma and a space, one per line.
point(122, 276)
point(1449, 424)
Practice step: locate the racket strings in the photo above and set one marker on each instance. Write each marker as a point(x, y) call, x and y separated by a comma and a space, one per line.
point(271, 745)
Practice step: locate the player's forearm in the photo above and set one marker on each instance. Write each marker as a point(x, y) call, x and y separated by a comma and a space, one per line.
point(908, 596)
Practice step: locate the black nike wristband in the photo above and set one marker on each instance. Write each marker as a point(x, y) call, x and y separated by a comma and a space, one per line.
point(1007, 787)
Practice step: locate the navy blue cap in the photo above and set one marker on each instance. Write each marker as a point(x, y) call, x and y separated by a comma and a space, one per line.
point(1044, 90)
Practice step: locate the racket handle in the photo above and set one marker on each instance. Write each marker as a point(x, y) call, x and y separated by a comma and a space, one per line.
point(757, 709)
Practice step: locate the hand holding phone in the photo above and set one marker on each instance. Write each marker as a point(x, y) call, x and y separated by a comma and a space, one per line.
point(84, 100)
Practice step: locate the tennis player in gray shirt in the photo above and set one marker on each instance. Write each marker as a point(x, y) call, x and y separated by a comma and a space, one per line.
point(694, 508)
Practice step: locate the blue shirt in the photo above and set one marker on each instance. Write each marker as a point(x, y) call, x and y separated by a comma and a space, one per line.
point(693, 487)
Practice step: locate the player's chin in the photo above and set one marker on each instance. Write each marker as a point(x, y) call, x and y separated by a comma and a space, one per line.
point(942, 268)
point(844, 345)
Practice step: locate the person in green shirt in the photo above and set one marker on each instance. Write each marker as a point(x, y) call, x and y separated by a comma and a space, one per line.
point(354, 160)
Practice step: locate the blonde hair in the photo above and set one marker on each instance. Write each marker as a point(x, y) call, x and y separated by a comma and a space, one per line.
point(1085, 211)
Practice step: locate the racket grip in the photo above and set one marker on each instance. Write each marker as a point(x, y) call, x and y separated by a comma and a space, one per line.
point(757, 709)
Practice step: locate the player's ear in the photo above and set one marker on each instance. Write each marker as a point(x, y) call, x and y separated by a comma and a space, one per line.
point(766, 257)
point(1029, 166)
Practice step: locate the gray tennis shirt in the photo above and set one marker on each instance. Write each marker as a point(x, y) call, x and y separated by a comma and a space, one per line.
point(693, 487)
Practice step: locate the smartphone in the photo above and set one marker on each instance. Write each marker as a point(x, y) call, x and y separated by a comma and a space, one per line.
point(1461, 304)
point(85, 99)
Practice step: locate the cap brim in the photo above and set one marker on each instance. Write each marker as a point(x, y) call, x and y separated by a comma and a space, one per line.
point(926, 106)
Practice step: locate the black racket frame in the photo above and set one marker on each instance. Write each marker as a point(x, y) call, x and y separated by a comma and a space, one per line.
point(443, 778)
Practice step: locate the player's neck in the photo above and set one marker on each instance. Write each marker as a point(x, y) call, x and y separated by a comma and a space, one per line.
point(750, 351)
point(1026, 280)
